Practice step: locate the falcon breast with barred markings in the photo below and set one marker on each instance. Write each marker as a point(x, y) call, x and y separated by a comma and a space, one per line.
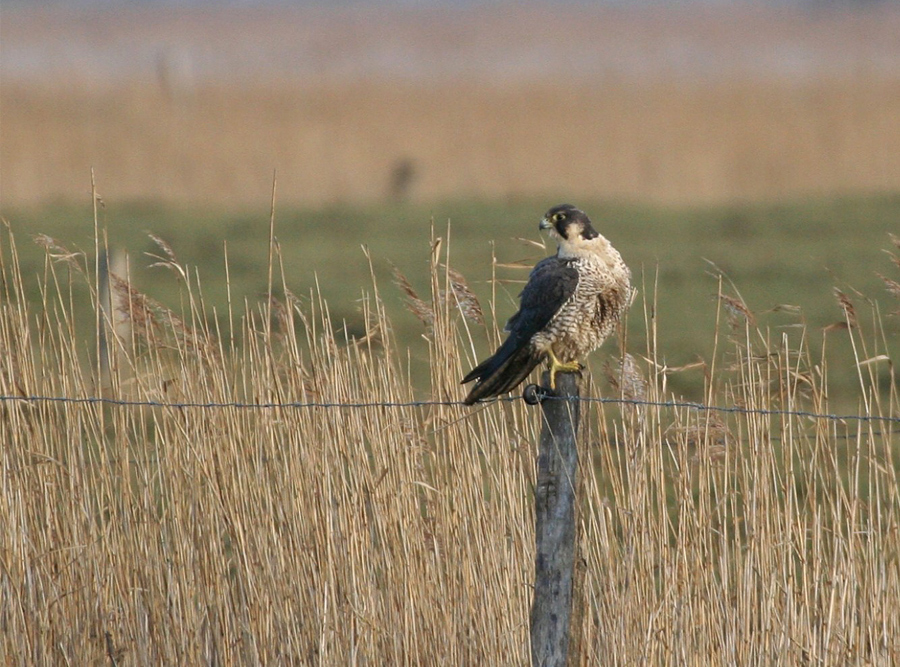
point(572, 302)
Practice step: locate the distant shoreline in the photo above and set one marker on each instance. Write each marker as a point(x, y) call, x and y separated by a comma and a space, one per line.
point(439, 43)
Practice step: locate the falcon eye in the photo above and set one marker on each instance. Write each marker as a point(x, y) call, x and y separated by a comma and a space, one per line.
point(559, 217)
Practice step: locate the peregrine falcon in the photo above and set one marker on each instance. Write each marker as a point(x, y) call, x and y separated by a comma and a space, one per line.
point(573, 300)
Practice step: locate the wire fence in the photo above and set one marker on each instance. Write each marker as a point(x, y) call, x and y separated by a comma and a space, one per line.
point(291, 405)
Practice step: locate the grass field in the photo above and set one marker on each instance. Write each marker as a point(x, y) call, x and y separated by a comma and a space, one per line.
point(783, 259)
point(404, 535)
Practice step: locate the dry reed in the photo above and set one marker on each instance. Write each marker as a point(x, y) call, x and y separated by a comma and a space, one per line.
point(404, 535)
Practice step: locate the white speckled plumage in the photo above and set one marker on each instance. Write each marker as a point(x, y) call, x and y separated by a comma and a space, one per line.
point(593, 312)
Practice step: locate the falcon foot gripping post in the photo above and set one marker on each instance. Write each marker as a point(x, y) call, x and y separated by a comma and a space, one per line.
point(535, 394)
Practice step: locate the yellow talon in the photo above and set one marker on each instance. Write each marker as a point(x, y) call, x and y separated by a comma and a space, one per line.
point(557, 366)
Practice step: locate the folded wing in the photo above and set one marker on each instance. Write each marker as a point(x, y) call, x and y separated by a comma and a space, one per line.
point(551, 283)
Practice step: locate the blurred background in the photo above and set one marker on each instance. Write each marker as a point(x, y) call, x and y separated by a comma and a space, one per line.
point(673, 102)
point(761, 136)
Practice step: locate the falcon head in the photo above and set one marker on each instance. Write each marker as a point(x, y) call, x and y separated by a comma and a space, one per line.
point(568, 225)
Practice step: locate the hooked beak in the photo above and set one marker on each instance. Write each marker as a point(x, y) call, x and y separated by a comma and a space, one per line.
point(545, 224)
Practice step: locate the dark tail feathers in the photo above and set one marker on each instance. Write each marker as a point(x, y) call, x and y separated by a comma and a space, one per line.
point(503, 371)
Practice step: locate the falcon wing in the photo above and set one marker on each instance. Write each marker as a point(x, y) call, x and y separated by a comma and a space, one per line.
point(551, 283)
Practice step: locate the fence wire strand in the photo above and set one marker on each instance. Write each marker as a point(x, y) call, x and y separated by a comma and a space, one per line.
point(239, 405)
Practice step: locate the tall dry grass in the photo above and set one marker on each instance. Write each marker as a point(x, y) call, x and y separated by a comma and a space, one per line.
point(402, 534)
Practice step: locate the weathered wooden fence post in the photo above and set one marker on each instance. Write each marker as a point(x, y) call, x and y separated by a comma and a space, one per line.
point(554, 564)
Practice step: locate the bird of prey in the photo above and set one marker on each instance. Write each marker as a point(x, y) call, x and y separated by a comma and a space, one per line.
point(573, 300)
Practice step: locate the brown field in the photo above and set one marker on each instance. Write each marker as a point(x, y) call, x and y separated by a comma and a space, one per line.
point(666, 143)
point(679, 108)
